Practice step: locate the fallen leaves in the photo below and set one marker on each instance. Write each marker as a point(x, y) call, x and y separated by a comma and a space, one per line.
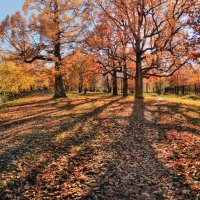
point(99, 148)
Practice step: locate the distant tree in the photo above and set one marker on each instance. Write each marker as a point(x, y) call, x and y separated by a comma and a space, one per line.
point(103, 45)
point(16, 79)
point(19, 78)
point(81, 69)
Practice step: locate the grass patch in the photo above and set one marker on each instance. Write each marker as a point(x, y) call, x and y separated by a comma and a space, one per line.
point(193, 100)
point(186, 99)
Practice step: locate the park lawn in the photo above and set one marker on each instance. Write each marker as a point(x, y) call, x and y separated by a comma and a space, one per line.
point(82, 146)
point(193, 100)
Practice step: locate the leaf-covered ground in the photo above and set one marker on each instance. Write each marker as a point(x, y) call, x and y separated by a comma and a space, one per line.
point(99, 147)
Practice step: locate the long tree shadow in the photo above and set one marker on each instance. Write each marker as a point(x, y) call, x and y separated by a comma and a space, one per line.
point(114, 159)
point(168, 110)
point(135, 172)
point(50, 107)
point(43, 144)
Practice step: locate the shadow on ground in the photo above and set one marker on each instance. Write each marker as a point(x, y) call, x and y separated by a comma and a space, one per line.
point(88, 148)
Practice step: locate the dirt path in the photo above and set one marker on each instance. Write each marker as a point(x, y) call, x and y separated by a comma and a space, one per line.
point(96, 148)
point(160, 98)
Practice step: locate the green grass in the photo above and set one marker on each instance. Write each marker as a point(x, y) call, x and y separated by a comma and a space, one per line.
point(186, 99)
point(23, 99)
point(13, 103)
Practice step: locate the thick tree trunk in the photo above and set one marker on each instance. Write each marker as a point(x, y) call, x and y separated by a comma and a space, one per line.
point(125, 80)
point(139, 79)
point(59, 88)
point(114, 76)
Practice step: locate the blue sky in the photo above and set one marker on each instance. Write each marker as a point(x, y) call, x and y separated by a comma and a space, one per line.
point(9, 7)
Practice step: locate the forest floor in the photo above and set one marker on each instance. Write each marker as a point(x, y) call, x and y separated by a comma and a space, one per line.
point(100, 147)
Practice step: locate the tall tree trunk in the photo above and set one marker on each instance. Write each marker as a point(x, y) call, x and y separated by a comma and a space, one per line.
point(114, 76)
point(125, 80)
point(59, 88)
point(139, 78)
